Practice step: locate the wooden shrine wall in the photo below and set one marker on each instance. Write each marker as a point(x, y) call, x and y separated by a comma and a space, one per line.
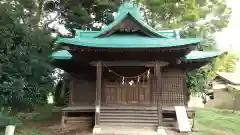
point(83, 91)
point(173, 91)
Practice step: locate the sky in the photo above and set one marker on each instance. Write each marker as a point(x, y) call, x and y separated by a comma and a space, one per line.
point(228, 39)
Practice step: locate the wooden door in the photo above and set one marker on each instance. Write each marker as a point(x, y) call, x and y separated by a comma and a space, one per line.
point(132, 94)
point(115, 93)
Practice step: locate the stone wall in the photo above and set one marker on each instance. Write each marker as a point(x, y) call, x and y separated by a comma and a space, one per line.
point(223, 100)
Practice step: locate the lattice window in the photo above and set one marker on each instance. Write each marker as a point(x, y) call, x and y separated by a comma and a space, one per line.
point(172, 91)
point(172, 84)
point(172, 98)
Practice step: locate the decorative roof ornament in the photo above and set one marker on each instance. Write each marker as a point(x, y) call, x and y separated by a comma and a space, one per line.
point(177, 34)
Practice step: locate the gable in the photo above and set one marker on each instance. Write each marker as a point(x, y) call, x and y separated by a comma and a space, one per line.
point(129, 24)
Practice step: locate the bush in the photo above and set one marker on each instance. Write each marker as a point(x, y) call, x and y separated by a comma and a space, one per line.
point(43, 113)
point(6, 119)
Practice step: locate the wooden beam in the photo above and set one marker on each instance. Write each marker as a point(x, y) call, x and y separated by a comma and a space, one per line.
point(98, 93)
point(159, 92)
point(185, 89)
point(130, 63)
point(71, 91)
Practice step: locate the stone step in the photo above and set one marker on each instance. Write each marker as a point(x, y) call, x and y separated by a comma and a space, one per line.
point(127, 124)
point(129, 108)
point(128, 111)
point(128, 117)
point(128, 114)
point(142, 125)
point(129, 120)
point(110, 130)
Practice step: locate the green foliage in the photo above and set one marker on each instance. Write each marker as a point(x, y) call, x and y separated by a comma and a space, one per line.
point(228, 62)
point(28, 131)
point(199, 80)
point(225, 63)
point(24, 46)
point(83, 14)
point(42, 113)
point(190, 15)
point(196, 18)
point(7, 119)
point(61, 93)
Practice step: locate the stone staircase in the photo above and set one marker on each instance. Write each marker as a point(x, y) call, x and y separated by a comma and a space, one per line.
point(135, 117)
point(129, 117)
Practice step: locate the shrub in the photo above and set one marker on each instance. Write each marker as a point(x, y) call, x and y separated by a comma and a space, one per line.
point(7, 119)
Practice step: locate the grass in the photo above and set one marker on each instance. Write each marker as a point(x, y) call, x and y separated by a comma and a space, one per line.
point(28, 131)
point(217, 122)
point(32, 122)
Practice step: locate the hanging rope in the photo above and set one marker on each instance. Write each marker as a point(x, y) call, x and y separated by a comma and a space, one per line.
point(137, 76)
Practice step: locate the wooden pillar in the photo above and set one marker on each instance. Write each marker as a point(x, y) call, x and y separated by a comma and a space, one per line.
point(159, 93)
point(185, 90)
point(71, 91)
point(97, 128)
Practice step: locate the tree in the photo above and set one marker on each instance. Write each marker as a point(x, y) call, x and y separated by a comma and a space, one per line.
point(25, 44)
point(196, 18)
point(228, 62)
point(84, 14)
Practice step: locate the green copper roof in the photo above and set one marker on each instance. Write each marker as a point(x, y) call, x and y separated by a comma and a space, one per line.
point(194, 55)
point(62, 55)
point(128, 9)
point(128, 41)
point(164, 39)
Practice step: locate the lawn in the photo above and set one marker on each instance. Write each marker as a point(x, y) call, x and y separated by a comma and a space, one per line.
point(217, 122)
point(208, 122)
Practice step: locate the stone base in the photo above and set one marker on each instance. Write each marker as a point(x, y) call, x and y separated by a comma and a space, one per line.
point(96, 130)
point(161, 131)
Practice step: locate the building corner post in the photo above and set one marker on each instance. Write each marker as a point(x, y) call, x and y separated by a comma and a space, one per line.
point(159, 95)
point(97, 127)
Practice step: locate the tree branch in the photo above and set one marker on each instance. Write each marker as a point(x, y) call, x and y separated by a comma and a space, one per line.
point(145, 16)
point(37, 18)
point(51, 21)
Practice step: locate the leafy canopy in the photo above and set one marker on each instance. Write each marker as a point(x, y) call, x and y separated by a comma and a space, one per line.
point(197, 18)
point(24, 46)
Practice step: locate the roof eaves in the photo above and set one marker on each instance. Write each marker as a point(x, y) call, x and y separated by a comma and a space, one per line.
point(61, 55)
point(197, 55)
point(100, 43)
point(231, 77)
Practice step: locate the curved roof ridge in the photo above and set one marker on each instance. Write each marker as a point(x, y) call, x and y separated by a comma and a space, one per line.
point(133, 11)
point(129, 42)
